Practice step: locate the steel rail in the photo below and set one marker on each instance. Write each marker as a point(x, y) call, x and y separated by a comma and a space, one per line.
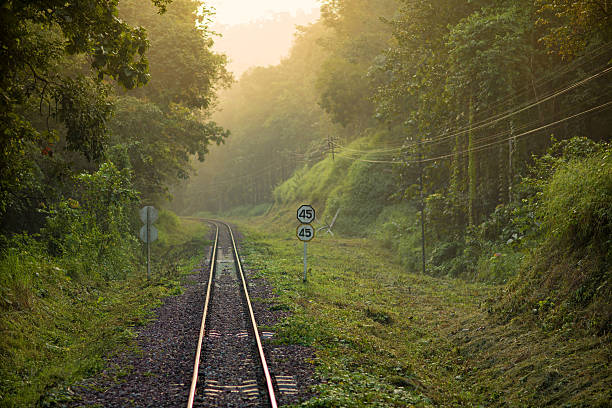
point(262, 356)
point(196, 365)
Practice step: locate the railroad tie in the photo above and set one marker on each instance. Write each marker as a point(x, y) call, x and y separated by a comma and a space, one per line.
point(250, 389)
point(286, 384)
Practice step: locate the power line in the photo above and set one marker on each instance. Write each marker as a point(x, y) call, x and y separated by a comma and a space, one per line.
point(487, 145)
point(480, 140)
point(495, 118)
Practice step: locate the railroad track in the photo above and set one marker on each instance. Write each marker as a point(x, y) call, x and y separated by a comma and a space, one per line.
point(230, 367)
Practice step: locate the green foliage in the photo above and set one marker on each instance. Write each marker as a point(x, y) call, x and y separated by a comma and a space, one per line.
point(37, 38)
point(572, 25)
point(56, 327)
point(248, 210)
point(428, 341)
point(482, 44)
point(576, 209)
point(184, 69)
point(354, 187)
point(57, 101)
point(297, 330)
point(276, 126)
point(570, 269)
point(358, 34)
point(360, 198)
point(397, 229)
point(160, 144)
point(91, 232)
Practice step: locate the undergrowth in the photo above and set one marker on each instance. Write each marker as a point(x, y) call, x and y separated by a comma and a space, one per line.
point(61, 314)
point(385, 337)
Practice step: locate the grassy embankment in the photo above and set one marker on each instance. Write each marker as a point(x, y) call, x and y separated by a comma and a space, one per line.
point(515, 313)
point(57, 327)
point(388, 337)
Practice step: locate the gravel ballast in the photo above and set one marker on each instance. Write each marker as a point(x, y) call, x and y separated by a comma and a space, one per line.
point(159, 373)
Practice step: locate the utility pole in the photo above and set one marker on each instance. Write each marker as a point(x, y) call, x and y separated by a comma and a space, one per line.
point(330, 145)
point(422, 204)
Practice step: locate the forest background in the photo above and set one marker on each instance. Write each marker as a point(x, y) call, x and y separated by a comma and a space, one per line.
point(487, 122)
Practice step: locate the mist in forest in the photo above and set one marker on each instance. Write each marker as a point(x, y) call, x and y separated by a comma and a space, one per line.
point(262, 42)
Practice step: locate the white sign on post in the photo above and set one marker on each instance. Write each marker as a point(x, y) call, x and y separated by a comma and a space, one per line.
point(305, 214)
point(148, 233)
point(305, 232)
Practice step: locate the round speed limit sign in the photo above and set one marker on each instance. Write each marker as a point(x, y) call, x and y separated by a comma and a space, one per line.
point(305, 232)
point(305, 214)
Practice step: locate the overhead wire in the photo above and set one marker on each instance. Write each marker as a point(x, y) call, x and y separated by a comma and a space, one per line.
point(597, 52)
point(487, 145)
point(494, 136)
point(483, 123)
point(555, 74)
point(495, 118)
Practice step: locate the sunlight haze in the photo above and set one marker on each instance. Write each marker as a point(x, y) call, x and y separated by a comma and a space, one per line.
point(233, 12)
point(259, 33)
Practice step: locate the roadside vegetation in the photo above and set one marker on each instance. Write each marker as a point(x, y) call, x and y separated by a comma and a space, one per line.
point(484, 124)
point(62, 315)
point(84, 144)
point(517, 314)
point(387, 336)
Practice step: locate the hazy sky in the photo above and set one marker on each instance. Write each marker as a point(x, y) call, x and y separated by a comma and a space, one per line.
point(258, 32)
point(242, 11)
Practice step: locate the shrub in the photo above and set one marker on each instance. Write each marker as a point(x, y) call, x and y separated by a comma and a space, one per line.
point(396, 227)
point(92, 231)
point(576, 207)
point(570, 271)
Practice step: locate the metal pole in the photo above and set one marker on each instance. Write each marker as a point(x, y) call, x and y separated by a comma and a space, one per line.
point(305, 246)
point(422, 205)
point(148, 243)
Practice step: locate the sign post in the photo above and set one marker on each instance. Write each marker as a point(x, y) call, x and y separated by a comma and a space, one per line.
point(148, 233)
point(305, 262)
point(305, 232)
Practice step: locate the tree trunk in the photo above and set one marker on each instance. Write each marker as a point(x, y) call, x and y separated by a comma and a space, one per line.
point(471, 166)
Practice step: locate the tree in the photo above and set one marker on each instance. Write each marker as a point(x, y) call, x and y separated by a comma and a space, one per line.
point(573, 25)
point(184, 69)
point(358, 34)
point(55, 60)
point(159, 145)
point(163, 125)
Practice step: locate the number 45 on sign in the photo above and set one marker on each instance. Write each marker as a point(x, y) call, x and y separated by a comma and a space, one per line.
point(305, 232)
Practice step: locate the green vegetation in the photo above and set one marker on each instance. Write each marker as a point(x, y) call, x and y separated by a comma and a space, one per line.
point(60, 316)
point(566, 283)
point(466, 110)
point(491, 118)
point(387, 337)
point(83, 145)
point(486, 122)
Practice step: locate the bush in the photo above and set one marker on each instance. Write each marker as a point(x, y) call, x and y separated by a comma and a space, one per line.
point(361, 198)
point(570, 271)
point(396, 227)
point(92, 231)
point(576, 207)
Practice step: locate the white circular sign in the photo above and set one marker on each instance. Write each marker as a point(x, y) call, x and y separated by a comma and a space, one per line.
point(145, 237)
point(305, 232)
point(305, 214)
point(152, 214)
